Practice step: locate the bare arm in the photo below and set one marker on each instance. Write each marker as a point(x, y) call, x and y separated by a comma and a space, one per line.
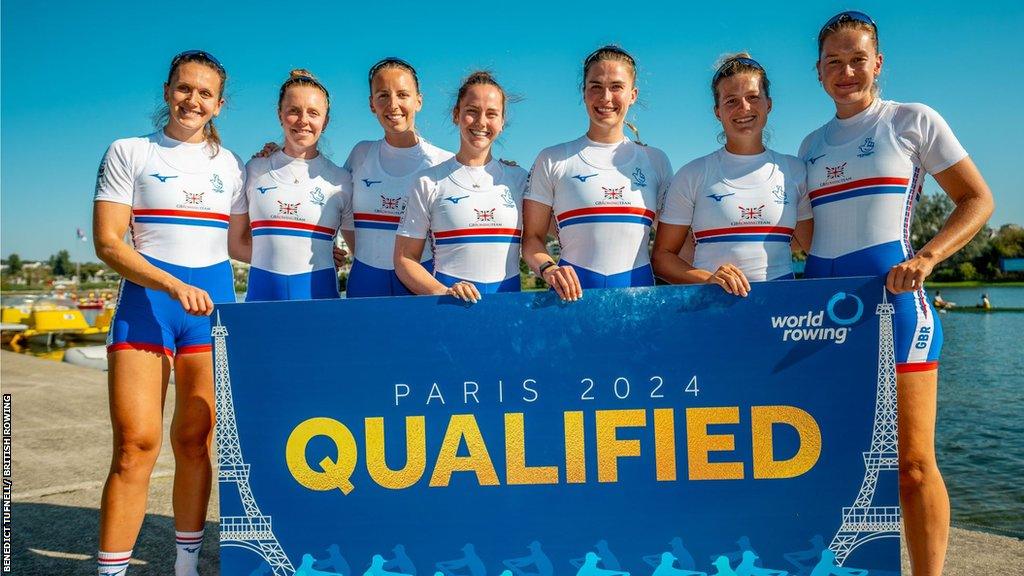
point(974, 204)
point(802, 235)
point(536, 222)
point(408, 252)
point(109, 225)
point(240, 238)
point(669, 266)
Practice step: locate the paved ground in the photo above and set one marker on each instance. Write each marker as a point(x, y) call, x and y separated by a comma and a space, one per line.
point(62, 450)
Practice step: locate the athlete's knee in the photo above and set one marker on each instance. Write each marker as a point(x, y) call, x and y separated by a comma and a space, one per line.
point(192, 440)
point(916, 471)
point(135, 454)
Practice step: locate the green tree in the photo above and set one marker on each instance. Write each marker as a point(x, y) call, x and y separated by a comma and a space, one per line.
point(61, 264)
point(14, 263)
point(931, 213)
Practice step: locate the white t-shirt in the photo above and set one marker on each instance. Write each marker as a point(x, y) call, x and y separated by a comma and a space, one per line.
point(181, 198)
point(604, 198)
point(382, 177)
point(295, 208)
point(742, 210)
point(473, 216)
point(865, 174)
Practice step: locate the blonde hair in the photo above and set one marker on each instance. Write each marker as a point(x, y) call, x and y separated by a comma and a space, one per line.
point(302, 77)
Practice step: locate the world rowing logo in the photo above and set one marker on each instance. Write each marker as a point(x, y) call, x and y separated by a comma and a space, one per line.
point(613, 193)
point(217, 183)
point(316, 196)
point(779, 192)
point(196, 198)
point(639, 179)
point(751, 213)
point(288, 208)
point(843, 310)
point(833, 172)
point(389, 203)
point(484, 215)
point(867, 148)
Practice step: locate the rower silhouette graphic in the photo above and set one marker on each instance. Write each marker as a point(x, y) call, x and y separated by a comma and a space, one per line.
point(306, 568)
point(804, 560)
point(400, 561)
point(590, 567)
point(735, 556)
point(722, 565)
point(827, 567)
point(469, 565)
point(334, 562)
point(377, 568)
point(667, 567)
point(607, 558)
point(536, 563)
point(748, 568)
point(683, 557)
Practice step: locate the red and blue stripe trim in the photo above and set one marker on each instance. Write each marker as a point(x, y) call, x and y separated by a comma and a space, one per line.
point(376, 221)
point(479, 235)
point(180, 217)
point(289, 228)
point(745, 234)
point(863, 187)
point(601, 214)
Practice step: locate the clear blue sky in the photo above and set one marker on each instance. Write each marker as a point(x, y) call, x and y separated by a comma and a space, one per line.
point(78, 75)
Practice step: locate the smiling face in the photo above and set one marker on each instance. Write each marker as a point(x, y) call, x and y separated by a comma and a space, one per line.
point(742, 108)
point(193, 98)
point(608, 92)
point(303, 115)
point(848, 66)
point(395, 100)
point(480, 117)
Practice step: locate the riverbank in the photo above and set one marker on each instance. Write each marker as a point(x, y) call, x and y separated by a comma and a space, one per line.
point(61, 447)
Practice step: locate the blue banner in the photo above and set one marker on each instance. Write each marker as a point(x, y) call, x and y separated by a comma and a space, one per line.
point(656, 431)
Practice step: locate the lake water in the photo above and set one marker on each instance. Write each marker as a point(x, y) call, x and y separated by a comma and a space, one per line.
point(979, 431)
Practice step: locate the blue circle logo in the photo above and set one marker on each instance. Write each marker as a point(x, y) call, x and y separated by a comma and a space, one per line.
point(839, 297)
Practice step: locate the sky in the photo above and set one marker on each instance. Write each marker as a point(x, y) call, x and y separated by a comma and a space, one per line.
point(77, 75)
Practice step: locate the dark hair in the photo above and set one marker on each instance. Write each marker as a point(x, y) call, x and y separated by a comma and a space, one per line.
point(201, 57)
point(302, 77)
point(611, 52)
point(480, 78)
point(393, 62)
point(851, 20)
point(739, 63)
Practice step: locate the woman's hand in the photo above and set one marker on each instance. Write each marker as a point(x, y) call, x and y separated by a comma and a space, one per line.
point(565, 282)
point(464, 290)
point(194, 300)
point(339, 257)
point(908, 276)
point(731, 279)
point(268, 149)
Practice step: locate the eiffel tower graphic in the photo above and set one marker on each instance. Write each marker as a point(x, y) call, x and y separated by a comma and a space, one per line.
point(252, 531)
point(864, 522)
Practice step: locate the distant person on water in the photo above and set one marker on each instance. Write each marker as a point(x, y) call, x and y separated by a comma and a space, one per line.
point(865, 169)
point(985, 303)
point(744, 203)
point(468, 207)
point(177, 191)
point(295, 199)
point(602, 188)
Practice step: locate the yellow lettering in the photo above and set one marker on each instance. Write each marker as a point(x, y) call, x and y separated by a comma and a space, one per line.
point(575, 445)
point(699, 443)
point(665, 444)
point(463, 426)
point(415, 450)
point(609, 447)
point(762, 419)
point(333, 474)
point(516, 470)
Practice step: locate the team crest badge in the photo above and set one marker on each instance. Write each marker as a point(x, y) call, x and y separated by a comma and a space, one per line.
point(779, 193)
point(389, 203)
point(613, 193)
point(507, 199)
point(833, 172)
point(751, 213)
point(289, 208)
point(639, 179)
point(316, 196)
point(867, 148)
point(484, 215)
point(196, 198)
point(217, 183)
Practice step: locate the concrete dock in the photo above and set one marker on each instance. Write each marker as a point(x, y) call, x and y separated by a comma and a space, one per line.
point(61, 451)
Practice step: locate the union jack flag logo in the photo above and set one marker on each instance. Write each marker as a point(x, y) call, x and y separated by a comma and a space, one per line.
point(389, 203)
point(196, 198)
point(751, 213)
point(288, 208)
point(613, 193)
point(835, 171)
point(484, 215)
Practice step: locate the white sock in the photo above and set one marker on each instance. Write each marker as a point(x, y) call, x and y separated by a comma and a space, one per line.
point(113, 563)
point(188, 545)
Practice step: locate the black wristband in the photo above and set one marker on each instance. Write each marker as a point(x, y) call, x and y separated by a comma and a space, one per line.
point(545, 266)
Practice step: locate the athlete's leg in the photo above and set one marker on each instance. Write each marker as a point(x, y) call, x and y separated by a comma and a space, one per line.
point(191, 433)
point(137, 381)
point(922, 492)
